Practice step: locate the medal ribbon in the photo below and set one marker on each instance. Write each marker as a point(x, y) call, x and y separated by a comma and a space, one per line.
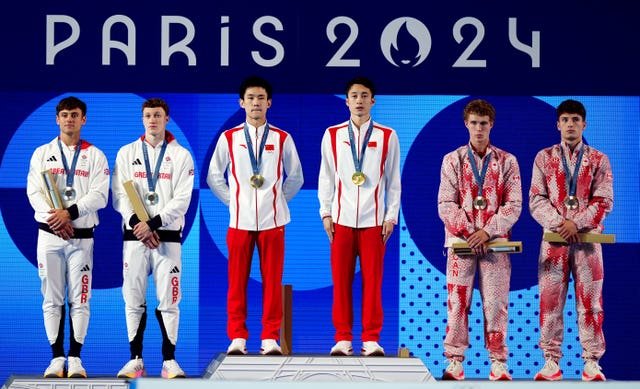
point(70, 172)
point(358, 162)
point(571, 180)
point(256, 162)
point(479, 176)
point(150, 180)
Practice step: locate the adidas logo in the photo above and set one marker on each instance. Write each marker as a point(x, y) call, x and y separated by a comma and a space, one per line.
point(52, 159)
point(137, 162)
point(86, 268)
point(175, 270)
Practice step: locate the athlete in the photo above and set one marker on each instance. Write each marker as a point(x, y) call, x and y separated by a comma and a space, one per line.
point(256, 156)
point(162, 172)
point(80, 173)
point(571, 192)
point(359, 193)
point(479, 200)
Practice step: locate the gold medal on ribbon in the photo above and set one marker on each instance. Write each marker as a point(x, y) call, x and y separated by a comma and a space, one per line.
point(358, 178)
point(480, 203)
point(256, 181)
point(571, 202)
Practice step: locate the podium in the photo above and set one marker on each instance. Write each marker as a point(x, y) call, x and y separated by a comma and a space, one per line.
point(317, 368)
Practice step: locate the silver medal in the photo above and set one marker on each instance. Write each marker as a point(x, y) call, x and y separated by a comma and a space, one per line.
point(68, 194)
point(151, 198)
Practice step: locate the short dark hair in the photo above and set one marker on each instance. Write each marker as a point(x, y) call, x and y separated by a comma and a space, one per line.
point(364, 81)
point(571, 106)
point(70, 103)
point(255, 81)
point(156, 102)
point(481, 108)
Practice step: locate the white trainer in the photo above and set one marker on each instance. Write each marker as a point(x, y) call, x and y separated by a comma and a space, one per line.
point(453, 372)
point(499, 372)
point(342, 348)
point(56, 368)
point(171, 369)
point(549, 372)
point(133, 369)
point(75, 369)
point(371, 349)
point(592, 371)
point(238, 346)
point(270, 347)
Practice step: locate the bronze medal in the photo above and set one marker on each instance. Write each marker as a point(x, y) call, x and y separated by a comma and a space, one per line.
point(571, 202)
point(480, 203)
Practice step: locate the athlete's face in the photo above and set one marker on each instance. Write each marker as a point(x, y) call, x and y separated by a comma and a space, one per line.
point(255, 104)
point(155, 121)
point(571, 127)
point(479, 129)
point(70, 121)
point(360, 101)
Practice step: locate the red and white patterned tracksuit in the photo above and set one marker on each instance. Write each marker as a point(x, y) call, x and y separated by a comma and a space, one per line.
point(503, 191)
point(583, 260)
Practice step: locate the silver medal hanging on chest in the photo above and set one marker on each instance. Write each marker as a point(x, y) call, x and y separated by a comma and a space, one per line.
point(480, 202)
point(151, 198)
point(68, 194)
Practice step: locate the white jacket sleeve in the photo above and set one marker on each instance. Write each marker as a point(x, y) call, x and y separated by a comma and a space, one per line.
point(392, 180)
point(326, 178)
point(98, 191)
point(217, 167)
point(121, 174)
point(182, 182)
point(292, 168)
point(35, 185)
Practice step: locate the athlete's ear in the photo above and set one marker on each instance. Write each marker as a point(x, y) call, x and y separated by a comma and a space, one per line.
point(241, 102)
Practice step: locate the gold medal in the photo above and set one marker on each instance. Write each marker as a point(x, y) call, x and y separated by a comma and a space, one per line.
point(479, 203)
point(256, 181)
point(571, 202)
point(358, 178)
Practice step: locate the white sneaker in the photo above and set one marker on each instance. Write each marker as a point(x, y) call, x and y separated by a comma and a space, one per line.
point(342, 348)
point(592, 371)
point(238, 346)
point(371, 349)
point(56, 368)
point(453, 372)
point(171, 369)
point(499, 372)
point(75, 369)
point(270, 347)
point(549, 372)
point(133, 369)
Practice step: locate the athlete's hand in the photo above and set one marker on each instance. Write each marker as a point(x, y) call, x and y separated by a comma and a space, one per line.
point(477, 241)
point(58, 218)
point(142, 231)
point(327, 222)
point(387, 230)
point(153, 241)
point(60, 223)
point(66, 232)
point(569, 231)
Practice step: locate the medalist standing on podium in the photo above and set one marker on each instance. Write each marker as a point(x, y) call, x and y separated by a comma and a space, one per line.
point(571, 192)
point(256, 156)
point(359, 193)
point(162, 172)
point(65, 236)
point(479, 200)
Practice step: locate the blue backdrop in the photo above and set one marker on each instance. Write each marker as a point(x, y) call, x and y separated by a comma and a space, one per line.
point(428, 60)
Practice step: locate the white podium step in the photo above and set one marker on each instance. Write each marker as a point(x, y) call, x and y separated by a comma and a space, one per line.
point(318, 369)
point(28, 382)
